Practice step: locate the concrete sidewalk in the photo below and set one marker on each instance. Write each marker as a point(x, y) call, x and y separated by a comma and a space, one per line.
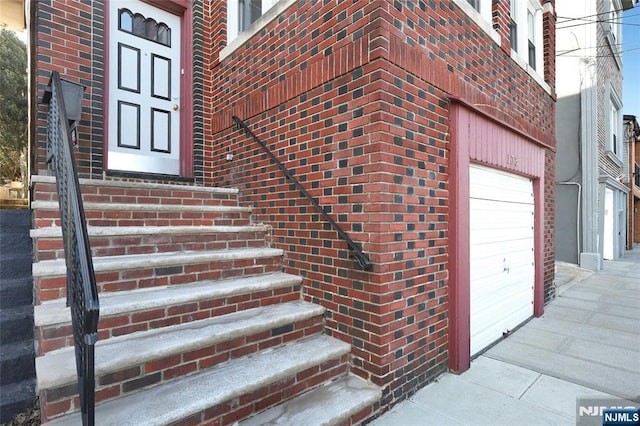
point(587, 345)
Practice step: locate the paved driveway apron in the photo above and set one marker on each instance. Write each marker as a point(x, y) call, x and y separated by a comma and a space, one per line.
point(587, 345)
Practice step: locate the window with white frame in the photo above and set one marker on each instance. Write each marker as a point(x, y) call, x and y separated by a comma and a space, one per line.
point(614, 130)
point(513, 25)
point(242, 13)
point(613, 29)
point(526, 31)
point(480, 12)
point(614, 19)
point(614, 117)
point(614, 123)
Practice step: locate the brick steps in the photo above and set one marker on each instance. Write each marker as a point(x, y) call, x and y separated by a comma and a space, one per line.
point(123, 214)
point(134, 192)
point(228, 391)
point(347, 400)
point(198, 325)
point(128, 272)
point(123, 240)
point(138, 310)
point(127, 363)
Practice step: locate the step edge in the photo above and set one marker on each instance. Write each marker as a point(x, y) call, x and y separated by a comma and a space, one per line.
point(53, 205)
point(57, 368)
point(57, 267)
point(139, 184)
point(116, 231)
point(320, 349)
point(56, 312)
point(367, 393)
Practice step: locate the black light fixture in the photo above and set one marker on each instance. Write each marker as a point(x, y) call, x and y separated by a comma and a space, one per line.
point(72, 94)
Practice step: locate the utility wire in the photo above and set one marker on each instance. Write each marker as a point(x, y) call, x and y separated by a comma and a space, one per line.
point(567, 19)
point(600, 56)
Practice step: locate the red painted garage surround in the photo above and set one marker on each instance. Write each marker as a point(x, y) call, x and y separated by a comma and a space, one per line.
point(476, 137)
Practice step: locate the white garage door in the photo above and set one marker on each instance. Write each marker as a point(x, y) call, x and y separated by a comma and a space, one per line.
point(502, 253)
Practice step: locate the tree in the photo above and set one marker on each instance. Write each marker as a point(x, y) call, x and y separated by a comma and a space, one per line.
point(13, 104)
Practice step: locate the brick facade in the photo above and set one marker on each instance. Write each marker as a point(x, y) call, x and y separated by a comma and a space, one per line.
point(354, 98)
point(355, 101)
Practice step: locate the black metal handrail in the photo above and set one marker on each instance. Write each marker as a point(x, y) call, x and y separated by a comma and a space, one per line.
point(363, 259)
point(82, 294)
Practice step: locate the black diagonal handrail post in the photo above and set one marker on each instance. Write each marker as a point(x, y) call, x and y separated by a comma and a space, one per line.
point(82, 293)
point(363, 259)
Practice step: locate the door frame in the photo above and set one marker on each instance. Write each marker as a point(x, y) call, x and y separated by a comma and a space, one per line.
point(183, 9)
point(478, 137)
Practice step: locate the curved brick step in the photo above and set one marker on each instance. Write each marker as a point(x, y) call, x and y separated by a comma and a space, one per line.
point(138, 310)
point(119, 273)
point(229, 391)
point(347, 400)
point(122, 240)
point(127, 363)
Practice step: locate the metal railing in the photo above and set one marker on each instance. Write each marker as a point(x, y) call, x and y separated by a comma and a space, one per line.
point(82, 294)
point(363, 259)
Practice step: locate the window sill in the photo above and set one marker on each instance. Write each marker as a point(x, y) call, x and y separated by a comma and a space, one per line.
point(533, 73)
point(478, 19)
point(614, 157)
point(255, 28)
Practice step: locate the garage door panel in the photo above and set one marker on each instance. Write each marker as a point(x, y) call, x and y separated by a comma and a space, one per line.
point(486, 336)
point(496, 292)
point(501, 253)
point(490, 184)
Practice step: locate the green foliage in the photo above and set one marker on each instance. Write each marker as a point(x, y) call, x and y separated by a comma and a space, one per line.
point(13, 104)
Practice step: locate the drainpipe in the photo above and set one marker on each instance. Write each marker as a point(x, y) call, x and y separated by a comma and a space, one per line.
point(577, 214)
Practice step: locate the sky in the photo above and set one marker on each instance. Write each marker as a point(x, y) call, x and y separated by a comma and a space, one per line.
point(631, 61)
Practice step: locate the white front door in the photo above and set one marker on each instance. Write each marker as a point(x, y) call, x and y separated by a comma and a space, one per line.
point(609, 212)
point(144, 89)
point(502, 262)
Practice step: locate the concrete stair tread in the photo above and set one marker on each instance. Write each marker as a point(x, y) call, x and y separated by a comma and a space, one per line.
point(57, 267)
point(17, 312)
point(53, 205)
point(16, 292)
point(58, 367)
point(178, 399)
point(331, 404)
point(14, 350)
point(56, 312)
point(119, 231)
point(138, 185)
point(16, 397)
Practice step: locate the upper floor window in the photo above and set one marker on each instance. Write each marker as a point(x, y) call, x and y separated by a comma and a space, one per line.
point(242, 13)
point(613, 29)
point(531, 39)
point(513, 25)
point(614, 19)
point(475, 4)
point(613, 124)
point(526, 31)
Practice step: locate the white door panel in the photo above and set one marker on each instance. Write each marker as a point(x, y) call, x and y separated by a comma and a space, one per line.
point(501, 213)
point(144, 88)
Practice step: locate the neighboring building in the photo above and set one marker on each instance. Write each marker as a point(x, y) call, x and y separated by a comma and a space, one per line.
point(590, 190)
point(632, 132)
point(425, 129)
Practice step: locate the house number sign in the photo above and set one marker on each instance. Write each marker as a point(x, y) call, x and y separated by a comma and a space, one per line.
point(512, 160)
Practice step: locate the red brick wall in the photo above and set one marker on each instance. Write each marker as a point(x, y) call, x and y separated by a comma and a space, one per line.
point(69, 39)
point(354, 100)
